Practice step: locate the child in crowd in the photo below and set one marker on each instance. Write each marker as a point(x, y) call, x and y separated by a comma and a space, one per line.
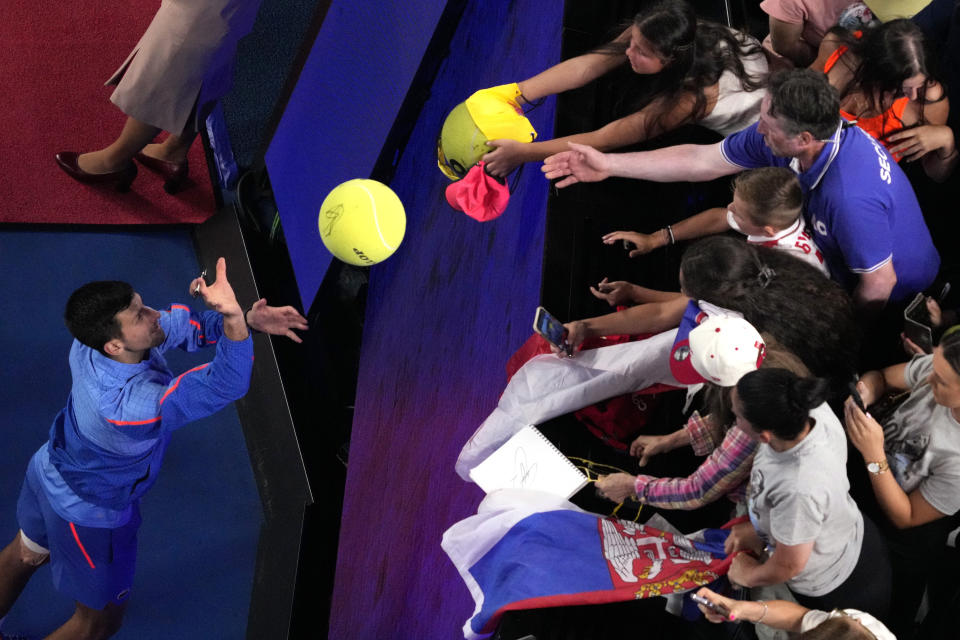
point(767, 207)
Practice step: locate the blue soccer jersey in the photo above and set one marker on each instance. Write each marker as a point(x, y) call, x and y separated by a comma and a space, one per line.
point(859, 204)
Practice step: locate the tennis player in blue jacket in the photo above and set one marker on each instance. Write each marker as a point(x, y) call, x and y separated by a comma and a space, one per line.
point(79, 505)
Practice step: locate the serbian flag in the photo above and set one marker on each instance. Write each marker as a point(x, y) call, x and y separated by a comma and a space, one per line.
point(529, 550)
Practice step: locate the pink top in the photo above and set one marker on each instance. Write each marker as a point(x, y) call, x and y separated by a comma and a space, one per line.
point(817, 17)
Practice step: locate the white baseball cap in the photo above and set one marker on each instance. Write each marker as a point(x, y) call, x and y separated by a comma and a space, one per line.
point(724, 349)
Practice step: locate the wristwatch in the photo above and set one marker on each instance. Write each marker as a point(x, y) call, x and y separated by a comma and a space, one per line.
point(876, 468)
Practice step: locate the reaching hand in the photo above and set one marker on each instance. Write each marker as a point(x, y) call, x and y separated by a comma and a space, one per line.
point(642, 242)
point(278, 321)
point(916, 142)
point(865, 433)
point(506, 156)
point(616, 487)
point(645, 447)
point(219, 296)
point(580, 164)
point(616, 293)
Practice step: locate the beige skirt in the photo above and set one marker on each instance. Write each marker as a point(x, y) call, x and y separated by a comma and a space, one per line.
point(183, 60)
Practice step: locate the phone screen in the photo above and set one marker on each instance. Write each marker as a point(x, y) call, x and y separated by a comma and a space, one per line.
point(550, 328)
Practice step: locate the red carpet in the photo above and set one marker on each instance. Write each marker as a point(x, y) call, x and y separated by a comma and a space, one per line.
point(56, 57)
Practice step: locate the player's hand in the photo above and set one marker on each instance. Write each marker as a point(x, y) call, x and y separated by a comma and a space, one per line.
point(916, 142)
point(616, 293)
point(278, 321)
point(506, 156)
point(219, 296)
point(580, 164)
point(616, 487)
point(642, 242)
point(864, 432)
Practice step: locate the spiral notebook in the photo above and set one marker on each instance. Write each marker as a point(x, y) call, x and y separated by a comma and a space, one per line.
point(529, 460)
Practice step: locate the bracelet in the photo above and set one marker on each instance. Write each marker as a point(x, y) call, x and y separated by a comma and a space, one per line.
point(669, 230)
point(764, 614)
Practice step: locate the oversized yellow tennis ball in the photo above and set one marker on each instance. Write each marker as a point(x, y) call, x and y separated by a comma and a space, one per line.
point(362, 222)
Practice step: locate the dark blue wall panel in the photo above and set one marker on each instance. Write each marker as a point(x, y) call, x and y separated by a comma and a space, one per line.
point(340, 112)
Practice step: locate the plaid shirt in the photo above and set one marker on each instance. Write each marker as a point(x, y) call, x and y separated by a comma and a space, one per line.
point(724, 472)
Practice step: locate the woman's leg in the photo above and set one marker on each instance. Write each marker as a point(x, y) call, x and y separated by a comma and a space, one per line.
point(119, 154)
point(173, 149)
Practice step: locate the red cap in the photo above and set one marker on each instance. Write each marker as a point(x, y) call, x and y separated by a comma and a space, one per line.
point(478, 194)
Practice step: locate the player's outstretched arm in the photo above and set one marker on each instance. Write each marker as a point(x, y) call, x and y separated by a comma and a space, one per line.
point(278, 321)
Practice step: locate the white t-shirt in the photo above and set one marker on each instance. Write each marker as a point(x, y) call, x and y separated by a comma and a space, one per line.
point(814, 618)
point(802, 495)
point(795, 240)
point(737, 108)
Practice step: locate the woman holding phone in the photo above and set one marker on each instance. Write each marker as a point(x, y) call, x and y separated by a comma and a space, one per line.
point(805, 529)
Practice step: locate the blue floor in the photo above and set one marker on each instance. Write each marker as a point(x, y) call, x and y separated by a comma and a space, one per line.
point(202, 519)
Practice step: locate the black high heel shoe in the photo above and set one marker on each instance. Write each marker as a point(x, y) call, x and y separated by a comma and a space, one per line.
point(174, 173)
point(121, 179)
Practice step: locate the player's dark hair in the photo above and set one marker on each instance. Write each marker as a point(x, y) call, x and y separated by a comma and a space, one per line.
point(779, 401)
point(91, 312)
point(806, 312)
point(804, 100)
point(695, 53)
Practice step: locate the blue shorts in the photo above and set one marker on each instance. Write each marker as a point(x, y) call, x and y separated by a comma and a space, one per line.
point(93, 566)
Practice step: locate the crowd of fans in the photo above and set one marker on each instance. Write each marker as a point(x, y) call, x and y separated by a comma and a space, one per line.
point(821, 126)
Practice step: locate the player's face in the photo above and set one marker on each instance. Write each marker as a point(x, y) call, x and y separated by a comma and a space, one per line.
point(140, 326)
point(781, 143)
point(644, 58)
point(740, 211)
point(944, 382)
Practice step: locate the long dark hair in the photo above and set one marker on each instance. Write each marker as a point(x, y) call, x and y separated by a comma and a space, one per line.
point(810, 315)
point(695, 53)
point(780, 401)
point(888, 54)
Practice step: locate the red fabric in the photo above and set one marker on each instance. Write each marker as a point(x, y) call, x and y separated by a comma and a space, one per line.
point(617, 420)
point(56, 57)
point(479, 195)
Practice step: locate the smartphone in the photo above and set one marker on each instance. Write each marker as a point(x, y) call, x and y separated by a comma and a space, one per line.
point(852, 388)
point(717, 608)
point(916, 323)
point(551, 329)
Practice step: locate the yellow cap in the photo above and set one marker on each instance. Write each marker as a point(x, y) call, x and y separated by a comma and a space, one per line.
point(886, 10)
point(488, 114)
